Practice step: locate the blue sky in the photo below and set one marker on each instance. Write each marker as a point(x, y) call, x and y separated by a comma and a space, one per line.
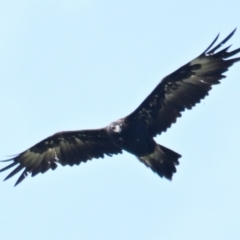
point(68, 65)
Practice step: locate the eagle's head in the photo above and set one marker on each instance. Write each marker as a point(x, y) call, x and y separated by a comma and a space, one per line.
point(116, 127)
point(116, 131)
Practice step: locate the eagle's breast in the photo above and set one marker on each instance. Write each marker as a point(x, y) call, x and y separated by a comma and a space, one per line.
point(132, 136)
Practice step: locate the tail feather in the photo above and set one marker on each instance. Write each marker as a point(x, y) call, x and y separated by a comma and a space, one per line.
point(162, 161)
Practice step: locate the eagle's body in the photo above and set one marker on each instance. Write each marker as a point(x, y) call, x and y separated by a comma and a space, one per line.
point(132, 137)
point(135, 133)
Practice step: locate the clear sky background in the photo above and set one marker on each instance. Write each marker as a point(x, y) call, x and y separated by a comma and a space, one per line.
point(69, 65)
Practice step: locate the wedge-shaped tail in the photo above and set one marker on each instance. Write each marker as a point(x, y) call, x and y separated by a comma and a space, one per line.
point(162, 161)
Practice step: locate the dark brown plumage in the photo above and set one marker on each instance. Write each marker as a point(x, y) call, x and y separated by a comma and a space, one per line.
point(178, 91)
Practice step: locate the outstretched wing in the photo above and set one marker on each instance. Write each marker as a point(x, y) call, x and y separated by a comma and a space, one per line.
point(66, 148)
point(184, 88)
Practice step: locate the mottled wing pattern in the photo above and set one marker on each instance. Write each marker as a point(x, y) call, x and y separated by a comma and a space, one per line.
point(184, 88)
point(65, 148)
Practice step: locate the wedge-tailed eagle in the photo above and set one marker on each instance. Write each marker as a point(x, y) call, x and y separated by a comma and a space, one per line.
point(135, 133)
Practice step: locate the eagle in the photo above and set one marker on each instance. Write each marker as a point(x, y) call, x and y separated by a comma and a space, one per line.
point(134, 133)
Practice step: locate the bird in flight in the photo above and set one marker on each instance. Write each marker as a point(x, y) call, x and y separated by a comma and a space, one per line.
point(134, 133)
